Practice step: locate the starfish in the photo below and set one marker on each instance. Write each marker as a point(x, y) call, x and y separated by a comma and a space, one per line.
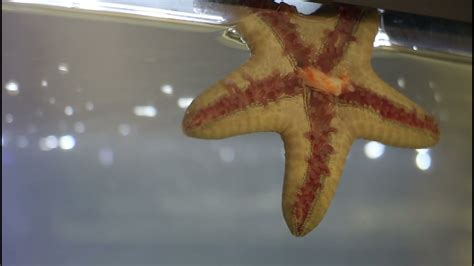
point(310, 79)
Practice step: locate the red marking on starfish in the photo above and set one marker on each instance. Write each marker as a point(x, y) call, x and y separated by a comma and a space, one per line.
point(363, 97)
point(321, 113)
point(286, 31)
point(258, 92)
point(338, 38)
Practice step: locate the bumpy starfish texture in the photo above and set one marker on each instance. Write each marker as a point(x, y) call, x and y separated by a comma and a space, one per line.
point(310, 79)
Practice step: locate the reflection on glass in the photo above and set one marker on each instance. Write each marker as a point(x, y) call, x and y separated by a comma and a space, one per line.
point(79, 127)
point(106, 156)
point(63, 68)
point(22, 142)
point(184, 102)
point(31, 129)
point(423, 161)
point(48, 143)
point(227, 154)
point(422, 150)
point(124, 129)
point(167, 89)
point(374, 149)
point(89, 106)
point(146, 111)
point(9, 118)
point(401, 82)
point(12, 88)
point(67, 142)
point(382, 39)
point(68, 110)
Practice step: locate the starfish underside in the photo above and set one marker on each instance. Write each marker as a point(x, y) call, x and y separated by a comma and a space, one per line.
point(310, 79)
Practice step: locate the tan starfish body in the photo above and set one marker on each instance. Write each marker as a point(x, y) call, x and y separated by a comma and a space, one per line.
point(310, 79)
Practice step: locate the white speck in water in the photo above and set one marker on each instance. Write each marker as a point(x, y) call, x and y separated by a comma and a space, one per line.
point(437, 96)
point(124, 129)
point(106, 156)
point(79, 127)
point(89, 106)
point(52, 100)
point(184, 102)
point(167, 89)
point(432, 84)
point(9, 118)
point(12, 88)
point(63, 68)
point(227, 154)
point(44, 83)
point(374, 149)
point(22, 142)
point(68, 110)
point(146, 111)
point(415, 47)
point(67, 142)
point(401, 82)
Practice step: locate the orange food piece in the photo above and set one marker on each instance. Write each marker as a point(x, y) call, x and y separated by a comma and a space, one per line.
point(323, 82)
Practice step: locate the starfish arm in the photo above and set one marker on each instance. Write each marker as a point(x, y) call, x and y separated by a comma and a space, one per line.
point(313, 168)
point(253, 118)
point(245, 100)
point(380, 113)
